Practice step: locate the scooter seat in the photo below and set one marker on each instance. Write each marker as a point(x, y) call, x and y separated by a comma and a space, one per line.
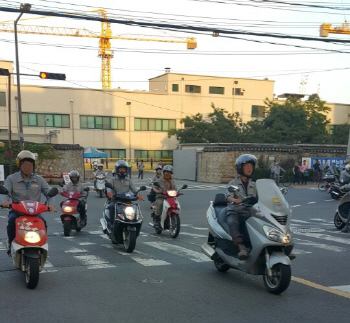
point(219, 203)
point(222, 219)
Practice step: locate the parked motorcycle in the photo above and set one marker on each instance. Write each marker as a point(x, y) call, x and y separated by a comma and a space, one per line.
point(127, 222)
point(100, 185)
point(170, 217)
point(342, 212)
point(29, 248)
point(266, 233)
point(70, 216)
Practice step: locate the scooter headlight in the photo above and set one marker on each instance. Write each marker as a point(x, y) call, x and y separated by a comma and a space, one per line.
point(172, 193)
point(32, 237)
point(276, 235)
point(129, 213)
point(67, 209)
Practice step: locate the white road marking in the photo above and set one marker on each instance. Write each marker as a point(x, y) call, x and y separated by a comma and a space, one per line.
point(93, 262)
point(317, 219)
point(320, 245)
point(150, 262)
point(95, 232)
point(2, 246)
point(86, 243)
point(310, 202)
point(75, 250)
point(3, 216)
point(195, 228)
point(48, 268)
point(300, 252)
point(344, 288)
point(193, 235)
point(296, 205)
point(180, 251)
point(324, 237)
point(300, 221)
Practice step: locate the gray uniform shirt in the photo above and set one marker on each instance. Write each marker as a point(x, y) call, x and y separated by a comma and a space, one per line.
point(251, 190)
point(165, 185)
point(122, 185)
point(78, 187)
point(16, 186)
point(156, 178)
point(344, 176)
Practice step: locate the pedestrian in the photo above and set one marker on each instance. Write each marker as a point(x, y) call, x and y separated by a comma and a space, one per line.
point(304, 172)
point(317, 169)
point(296, 173)
point(272, 170)
point(277, 173)
point(140, 168)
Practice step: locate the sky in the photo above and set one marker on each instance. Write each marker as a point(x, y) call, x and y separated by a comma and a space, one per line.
point(296, 65)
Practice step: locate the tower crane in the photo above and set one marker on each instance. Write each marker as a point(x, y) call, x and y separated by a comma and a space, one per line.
point(105, 51)
point(326, 29)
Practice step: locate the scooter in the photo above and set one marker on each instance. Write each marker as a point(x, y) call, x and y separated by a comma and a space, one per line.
point(70, 216)
point(100, 186)
point(335, 190)
point(266, 233)
point(170, 218)
point(342, 212)
point(29, 248)
point(127, 222)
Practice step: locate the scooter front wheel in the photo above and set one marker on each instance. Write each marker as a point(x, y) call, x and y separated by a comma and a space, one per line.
point(279, 280)
point(174, 225)
point(129, 240)
point(66, 228)
point(338, 223)
point(32, 272)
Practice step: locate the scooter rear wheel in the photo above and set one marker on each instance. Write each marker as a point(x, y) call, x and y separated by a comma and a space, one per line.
point(338, 223)
point(279, 281)
point(174, 225)
point(32, 273)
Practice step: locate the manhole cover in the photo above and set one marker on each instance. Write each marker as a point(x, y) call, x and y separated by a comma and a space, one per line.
point(152, 281)
point(305, 230)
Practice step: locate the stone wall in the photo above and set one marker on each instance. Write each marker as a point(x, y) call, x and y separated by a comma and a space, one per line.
point(70, 157)
point(217, 164)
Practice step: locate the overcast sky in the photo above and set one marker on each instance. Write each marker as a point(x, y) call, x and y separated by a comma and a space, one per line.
point(297, 66)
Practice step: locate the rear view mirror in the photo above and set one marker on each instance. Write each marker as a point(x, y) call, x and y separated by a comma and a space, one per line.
point(109, 185)
point(86, 189)
point(184, 186)
point(3, 190)
point(53, 192)
point(284, 190)
point(143, 188)
point(233, 188)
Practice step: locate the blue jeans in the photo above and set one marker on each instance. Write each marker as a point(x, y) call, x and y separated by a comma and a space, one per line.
point(11, 225)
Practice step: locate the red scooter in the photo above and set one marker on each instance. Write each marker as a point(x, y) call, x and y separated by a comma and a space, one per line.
point(170, 218)
point(70, 216)
point(29, 248)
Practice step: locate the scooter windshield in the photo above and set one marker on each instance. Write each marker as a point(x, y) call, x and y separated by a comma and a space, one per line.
point(271, 196)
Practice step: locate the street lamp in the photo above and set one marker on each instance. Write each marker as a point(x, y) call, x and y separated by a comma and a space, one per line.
point(25, 7)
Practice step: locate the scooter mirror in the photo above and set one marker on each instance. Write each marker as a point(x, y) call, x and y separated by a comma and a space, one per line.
point(3, 190)
point(53, 192)
point(233, 188)
point(184, 186)
point(61, 184)
point(86, 189)
point(156, 184)
point(143, 188)
point(284, 190)
point(109, 185)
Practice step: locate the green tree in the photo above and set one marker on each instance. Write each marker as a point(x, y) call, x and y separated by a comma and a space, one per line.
point(340, 135)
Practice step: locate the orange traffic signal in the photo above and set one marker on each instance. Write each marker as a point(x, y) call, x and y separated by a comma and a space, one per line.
point(52, 76)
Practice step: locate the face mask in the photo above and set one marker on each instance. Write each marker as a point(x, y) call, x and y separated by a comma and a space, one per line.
point(167, 176)
point(27, 168)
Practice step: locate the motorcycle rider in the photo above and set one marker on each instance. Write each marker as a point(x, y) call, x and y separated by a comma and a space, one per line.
point(158, 174)
point(75, 186)
point(236, 213)
point(24, 185)
point(99, 171)
point(120, 184)
point(165, 183)
point(344, 175)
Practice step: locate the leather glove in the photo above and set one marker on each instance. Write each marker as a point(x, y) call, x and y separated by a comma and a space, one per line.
point(139, 196)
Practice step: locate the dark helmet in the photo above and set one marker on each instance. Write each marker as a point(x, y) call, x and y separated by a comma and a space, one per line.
point(243, 159)
point(74, 173)
point(121, 164)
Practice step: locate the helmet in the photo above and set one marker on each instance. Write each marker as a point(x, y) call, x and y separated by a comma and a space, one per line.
point(100, 165)
point(159, 167)
point(74, 173)
point(121, 164)
point(25, 154)
point(243, 159)
point(347, 167)
point(168, 168)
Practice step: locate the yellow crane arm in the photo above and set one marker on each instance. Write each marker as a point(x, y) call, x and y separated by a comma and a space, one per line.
point(326, 29)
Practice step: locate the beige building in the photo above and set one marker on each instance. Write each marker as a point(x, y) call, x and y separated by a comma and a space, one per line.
point(129, 123)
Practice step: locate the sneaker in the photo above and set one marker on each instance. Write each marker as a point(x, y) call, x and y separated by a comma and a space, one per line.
point(243, 255)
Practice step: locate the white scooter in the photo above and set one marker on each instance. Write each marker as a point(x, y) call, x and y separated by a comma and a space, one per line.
point(266, 233)
point(100, 185)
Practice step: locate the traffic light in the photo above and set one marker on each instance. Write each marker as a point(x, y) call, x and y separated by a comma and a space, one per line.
point(52, 76)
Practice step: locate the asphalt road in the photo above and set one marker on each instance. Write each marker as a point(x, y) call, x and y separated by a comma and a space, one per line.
point(88, 279)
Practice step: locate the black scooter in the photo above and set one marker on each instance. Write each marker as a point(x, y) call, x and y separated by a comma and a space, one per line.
point(127, 222)
point(342, 213)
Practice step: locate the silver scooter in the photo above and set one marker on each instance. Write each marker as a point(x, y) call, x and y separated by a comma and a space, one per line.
point(342, 212)
point(266, 233)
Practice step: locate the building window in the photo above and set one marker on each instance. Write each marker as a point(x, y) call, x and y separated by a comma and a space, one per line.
point(45, 120)
point(175, 87)
point(154, 124)
point(237, 91)
point(192, 89)
point(154, 154)
point(104, 123)
point(216, 90)
point(2, 99)
point(114, 153)
point(258, 111)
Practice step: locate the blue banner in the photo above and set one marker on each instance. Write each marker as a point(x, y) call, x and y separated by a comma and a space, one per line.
point(339, 161)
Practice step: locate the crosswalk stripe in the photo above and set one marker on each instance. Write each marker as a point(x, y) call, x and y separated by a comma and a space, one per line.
point(320, 245)
point(48, 268)
point(324, 237)
point(93, 262)
point(180, 251)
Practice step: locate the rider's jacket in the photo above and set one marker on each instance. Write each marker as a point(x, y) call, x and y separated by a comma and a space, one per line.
point(164, 185)
point(344, 176)
point(77, 187)
point(122, 185)
point(244, 191)
point(22, 190)
point(156, 178)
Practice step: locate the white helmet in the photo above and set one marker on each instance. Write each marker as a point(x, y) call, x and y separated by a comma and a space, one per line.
point(347, 167)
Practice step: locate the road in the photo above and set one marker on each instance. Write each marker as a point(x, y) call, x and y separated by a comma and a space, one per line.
point(88, 279)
